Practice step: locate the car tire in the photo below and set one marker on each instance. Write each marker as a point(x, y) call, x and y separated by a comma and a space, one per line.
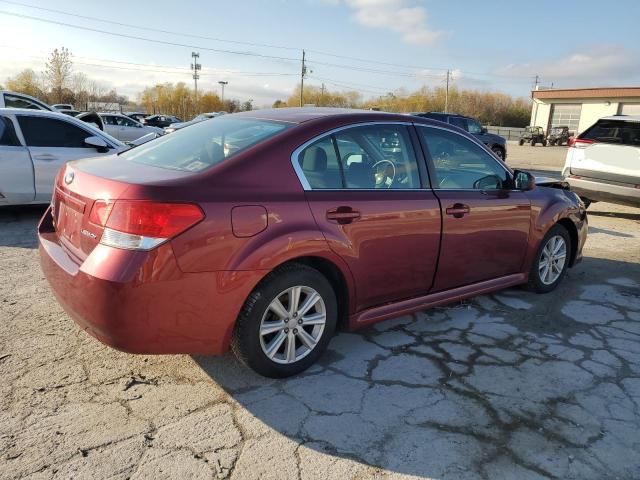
point(555, 243)
point(499, 152)
point(533, 143)
point(544, 143)
point(586, 201)
point(520, 142)
point(258, 315)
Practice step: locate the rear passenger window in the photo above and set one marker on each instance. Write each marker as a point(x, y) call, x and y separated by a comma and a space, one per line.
point(8, 135)
point(614, 131)
point(320, 165)
point(362, 158)
point(48, 132)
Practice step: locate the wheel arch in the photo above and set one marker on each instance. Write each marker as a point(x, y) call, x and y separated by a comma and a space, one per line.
point(568, 224)
point(339, 279)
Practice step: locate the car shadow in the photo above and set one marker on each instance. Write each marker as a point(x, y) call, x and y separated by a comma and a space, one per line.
point(623, 215)
point(473, 390)
point(18, 225)
point(606, 231)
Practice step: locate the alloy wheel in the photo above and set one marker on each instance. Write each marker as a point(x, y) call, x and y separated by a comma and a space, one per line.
point(552, 260)
point(292, 324)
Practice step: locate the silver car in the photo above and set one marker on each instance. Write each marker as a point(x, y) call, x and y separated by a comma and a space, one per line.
point(34, 144)
point(126, 129)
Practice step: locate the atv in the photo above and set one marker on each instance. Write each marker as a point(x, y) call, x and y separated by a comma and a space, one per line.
point(558, 136)
point(533, 135)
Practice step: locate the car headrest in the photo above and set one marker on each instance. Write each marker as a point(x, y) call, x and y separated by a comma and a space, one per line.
point(315, 160)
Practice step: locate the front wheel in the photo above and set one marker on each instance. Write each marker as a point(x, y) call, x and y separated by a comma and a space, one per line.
point(551, 261)
point(287, 322)
point(521, 142)
point(499, 152)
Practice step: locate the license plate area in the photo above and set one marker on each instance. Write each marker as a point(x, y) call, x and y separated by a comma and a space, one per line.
point(70, 213)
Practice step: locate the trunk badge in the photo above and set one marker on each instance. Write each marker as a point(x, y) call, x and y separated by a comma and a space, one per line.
point(68, 178)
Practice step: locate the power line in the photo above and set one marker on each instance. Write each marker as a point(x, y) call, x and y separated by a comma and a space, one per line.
point(157, 30)
point(145, 39)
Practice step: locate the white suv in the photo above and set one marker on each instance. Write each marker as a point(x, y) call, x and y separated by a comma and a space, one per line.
point(603, 162)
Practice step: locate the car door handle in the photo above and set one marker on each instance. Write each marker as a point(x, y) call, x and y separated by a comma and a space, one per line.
point(45, 157)
point(458, 210)
point(342, 215)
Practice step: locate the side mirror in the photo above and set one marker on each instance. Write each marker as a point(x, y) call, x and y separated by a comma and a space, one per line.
point(523, 181)
point(483, 130)
point(98, 143)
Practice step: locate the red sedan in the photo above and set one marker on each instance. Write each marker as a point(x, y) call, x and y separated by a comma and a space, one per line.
point(265, 231)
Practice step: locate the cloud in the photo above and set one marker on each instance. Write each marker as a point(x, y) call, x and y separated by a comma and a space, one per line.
point(600, 64)
point(400, 16)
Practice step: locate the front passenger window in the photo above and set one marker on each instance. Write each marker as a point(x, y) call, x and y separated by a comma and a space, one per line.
point(461, 164)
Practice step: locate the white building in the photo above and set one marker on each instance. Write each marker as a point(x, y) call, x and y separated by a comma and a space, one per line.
point(579, 108)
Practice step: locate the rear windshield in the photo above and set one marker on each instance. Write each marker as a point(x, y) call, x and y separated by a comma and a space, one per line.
point(204, 144)
point(614, 131)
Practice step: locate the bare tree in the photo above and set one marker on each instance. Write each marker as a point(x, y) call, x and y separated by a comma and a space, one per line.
point(58, 71)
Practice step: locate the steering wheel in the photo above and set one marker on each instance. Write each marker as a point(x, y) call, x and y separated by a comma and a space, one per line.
point(382, 175)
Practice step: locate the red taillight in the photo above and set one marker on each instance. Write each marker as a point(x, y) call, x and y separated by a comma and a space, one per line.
point(100, 212)
point(153, 219)
point(580, 142)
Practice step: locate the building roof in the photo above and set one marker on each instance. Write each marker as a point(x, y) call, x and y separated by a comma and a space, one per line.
point(576, 93)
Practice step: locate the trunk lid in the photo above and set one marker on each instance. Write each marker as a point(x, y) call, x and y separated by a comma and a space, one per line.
point(79, 184)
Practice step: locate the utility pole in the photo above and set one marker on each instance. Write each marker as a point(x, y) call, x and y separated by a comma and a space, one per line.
point(322, 95)
point(196, 67)
point(222, 84)
point(446, 95)
point(303, 72)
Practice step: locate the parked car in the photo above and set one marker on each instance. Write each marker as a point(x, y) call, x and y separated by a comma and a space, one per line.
point(603, 162)
point(161, 120)
point(199, 118)
point(304, 225)
point(533, 135)
point(558, 136)
point(20, 100)
point(62, 106)
point(137, 116)
point(125, 128)
point(496, 143)
point(34, 144)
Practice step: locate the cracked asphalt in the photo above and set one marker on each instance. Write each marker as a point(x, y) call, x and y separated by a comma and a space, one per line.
point(506, 386)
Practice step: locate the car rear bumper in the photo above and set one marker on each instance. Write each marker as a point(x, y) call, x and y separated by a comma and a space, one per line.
point(614, 192)
point(141, 302)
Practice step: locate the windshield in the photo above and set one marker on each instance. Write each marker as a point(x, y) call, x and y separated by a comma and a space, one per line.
point(204, 144)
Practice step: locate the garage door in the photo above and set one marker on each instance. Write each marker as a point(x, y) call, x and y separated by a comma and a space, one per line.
point(565, 114)
point(630, 108)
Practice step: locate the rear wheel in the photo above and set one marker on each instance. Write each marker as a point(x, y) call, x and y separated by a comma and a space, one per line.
point(544, 143)
point(533, 142)
point(552, 260)
point(287, 322)
point(521, 142)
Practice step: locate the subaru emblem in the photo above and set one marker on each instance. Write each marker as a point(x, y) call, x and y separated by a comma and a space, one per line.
point(68, 178)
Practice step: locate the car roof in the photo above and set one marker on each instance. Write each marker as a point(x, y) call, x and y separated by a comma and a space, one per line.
point(298, 115)
point(628, 118)
point(32, 111)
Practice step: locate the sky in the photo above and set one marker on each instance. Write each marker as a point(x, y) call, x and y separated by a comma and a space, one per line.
point(372, 46)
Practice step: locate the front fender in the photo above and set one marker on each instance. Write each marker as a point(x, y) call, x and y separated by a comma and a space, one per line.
point(550, 206)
